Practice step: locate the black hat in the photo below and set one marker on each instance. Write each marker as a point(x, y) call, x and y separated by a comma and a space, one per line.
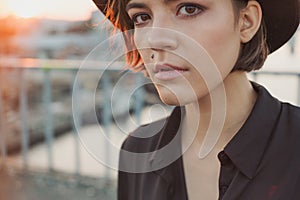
point(281, 18)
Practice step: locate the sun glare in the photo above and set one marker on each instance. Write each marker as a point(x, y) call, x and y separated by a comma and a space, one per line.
point(25, 9)
point(53, 9)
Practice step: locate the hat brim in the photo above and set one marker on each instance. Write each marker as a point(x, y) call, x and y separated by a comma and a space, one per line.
point(281, 18)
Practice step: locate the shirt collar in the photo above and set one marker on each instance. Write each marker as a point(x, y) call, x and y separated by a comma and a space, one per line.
point(170, 131)
point(169, 135)
point(247, 147)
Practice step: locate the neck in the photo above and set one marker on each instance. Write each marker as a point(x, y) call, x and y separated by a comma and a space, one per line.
point(239, 100)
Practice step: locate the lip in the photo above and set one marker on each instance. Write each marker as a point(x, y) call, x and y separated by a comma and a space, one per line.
point(167, 72)
point(165, 66)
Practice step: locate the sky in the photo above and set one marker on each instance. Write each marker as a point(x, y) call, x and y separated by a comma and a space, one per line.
point(53, 9)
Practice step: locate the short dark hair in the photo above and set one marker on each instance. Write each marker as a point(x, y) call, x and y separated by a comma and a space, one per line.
point(253, 53)
point(251, 57)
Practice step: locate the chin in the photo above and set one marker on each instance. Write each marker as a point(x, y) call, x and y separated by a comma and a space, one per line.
point(169, 101)
point(178, 99)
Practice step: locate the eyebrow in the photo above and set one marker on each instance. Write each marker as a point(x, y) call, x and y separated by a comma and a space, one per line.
point(135, 5)
point(142, 5)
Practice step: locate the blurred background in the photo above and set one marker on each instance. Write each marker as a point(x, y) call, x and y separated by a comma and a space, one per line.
point(45, 147)
point(51, 113)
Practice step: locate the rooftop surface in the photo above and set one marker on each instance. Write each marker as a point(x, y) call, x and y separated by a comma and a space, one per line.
point(26, 185)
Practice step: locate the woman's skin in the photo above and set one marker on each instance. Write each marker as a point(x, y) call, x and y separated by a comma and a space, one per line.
point(212, 24)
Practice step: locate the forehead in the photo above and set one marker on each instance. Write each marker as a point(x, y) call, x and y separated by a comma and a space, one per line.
point(162, 1)
point(140, 2)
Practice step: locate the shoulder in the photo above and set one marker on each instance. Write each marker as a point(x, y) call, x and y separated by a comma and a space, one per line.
point(290, 117)
point(284, 144)
point(286, 135)
point(145, 138)
point(292, 109)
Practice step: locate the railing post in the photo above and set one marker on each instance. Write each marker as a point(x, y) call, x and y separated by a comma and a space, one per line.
point(139, 97)
point(2, 127)
point(24, 119)
point(47, 98)
point(254, 76)
point(76, 119)
point(106, 116)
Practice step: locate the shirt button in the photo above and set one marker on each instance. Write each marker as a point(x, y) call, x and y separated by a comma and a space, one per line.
point(223, 158)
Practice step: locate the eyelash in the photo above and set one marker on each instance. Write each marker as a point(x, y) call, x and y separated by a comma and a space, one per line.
point(135, 16)
point(199, 9)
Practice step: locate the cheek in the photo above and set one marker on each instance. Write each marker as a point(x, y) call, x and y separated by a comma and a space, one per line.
point(224, 49)
point(140, 43)
point(137, 40)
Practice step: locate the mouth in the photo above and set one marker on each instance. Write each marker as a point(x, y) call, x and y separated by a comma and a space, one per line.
point(167, 71)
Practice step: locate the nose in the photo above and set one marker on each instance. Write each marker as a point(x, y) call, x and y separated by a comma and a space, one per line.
point(162, 39)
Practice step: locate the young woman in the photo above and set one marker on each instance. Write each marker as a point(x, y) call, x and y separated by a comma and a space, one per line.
point(228, 138)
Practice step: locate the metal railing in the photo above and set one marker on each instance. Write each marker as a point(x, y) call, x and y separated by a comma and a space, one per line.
point(46, 94)
point(294, 72)
point(106, 85)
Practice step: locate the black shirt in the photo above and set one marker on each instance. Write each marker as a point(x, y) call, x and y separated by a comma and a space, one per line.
point(261, 162)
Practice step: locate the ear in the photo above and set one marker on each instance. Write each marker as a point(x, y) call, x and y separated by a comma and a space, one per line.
point(250, 20)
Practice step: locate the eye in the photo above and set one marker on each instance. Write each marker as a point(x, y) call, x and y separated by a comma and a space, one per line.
point(139, 19)
point(189, 10)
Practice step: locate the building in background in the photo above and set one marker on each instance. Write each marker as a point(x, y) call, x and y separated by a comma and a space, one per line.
point(51, 39)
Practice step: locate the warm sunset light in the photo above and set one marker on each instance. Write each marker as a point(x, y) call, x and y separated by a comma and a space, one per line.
point(25, 9)
point(53, 9)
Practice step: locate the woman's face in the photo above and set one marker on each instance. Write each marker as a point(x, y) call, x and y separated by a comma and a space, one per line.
point(168, 35)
